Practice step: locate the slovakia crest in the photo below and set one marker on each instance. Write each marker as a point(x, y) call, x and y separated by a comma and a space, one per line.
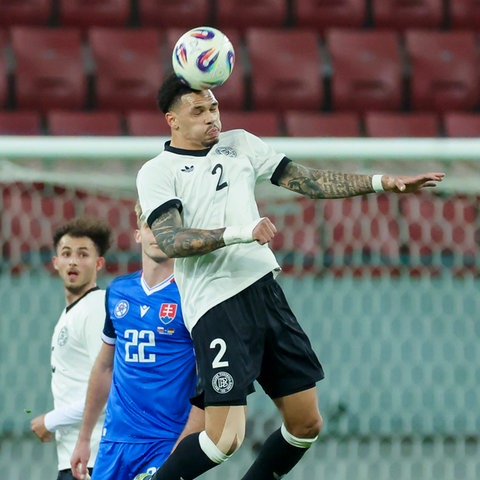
point(167, 312)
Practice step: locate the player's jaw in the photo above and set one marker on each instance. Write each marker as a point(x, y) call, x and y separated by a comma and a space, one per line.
point(77, 281)
point(212, 135)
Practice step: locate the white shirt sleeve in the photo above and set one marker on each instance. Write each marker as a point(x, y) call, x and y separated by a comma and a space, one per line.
point(67, 415)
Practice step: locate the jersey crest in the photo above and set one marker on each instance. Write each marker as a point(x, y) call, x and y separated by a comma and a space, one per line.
point(121, 309)
point(167, 312)
point(227, 151)
point(62, 337)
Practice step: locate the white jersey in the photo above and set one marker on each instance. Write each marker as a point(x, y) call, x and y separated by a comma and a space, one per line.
point(76, 342)
point(213, 188)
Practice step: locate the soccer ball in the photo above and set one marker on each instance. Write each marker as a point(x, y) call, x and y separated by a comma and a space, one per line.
point(203, 58)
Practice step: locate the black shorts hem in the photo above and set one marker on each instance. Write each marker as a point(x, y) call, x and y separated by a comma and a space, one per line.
point(290, 391)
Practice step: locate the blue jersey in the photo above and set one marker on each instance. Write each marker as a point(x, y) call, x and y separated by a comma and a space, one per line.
point(154, 365)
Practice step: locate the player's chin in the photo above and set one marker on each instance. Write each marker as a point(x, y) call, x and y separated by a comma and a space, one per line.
point(211, 141)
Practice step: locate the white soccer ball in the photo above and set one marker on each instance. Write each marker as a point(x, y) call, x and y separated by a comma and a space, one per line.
point(203, 58)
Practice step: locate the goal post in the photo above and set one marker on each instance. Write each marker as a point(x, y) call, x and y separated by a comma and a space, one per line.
point(385, 285)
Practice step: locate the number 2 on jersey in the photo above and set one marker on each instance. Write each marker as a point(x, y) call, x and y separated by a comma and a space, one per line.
point(220, 184)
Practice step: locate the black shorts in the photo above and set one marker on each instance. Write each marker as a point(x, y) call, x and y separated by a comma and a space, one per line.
point(67, 474)
point(252, 336)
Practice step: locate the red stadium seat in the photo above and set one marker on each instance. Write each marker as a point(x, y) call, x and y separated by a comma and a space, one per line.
point(393, 124)
point(250, 13)
point(25, 12)
point(444, 70)
point(83, 123)
point(461, 124)
point(104, 13)
point(367, 70)
point(286, 70)
point(260, 123)
point(20, 122)
point(464, 14)
point(401, 14)
point(148, 123)
point(330, 14)
point(3, 70)
point(232, 94)
point(314, 124)
point(49, 68)
point(127, 76)
point(186, 14)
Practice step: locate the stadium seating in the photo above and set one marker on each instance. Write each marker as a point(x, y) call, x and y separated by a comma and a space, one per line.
point(461, 124)
point(314, 124)
point(146, 123)
point(174, 14)
point(286, 71)
point(3, 70)
point(128, 75)
point(261, 123)
point(367, 70)
point(444, 70)
point(400, 15)
point(20, 122)
point(333, 14)
point(49, 70)
point(250, 13)
point(82, 14)
point(394, 124)
point(65, 122)
point(464, 14)
point(231, 95)
point(26, 12)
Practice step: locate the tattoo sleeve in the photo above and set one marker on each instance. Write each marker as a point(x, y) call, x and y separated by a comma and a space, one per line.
point(315, 183)
point(177, 241)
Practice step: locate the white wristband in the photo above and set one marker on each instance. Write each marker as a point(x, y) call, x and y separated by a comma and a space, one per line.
point(240, 234)
point(377, 183)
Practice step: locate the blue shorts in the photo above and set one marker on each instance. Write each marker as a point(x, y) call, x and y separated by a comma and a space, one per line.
point(122, 461)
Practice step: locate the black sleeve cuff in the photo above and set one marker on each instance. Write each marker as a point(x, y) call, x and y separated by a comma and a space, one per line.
point(162, 209)
point(279, 170)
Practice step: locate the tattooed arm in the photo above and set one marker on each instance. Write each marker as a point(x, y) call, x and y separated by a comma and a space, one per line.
point(177, 241)
point(316, 183)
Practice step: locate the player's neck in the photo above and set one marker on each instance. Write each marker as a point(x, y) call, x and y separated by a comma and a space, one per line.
point(73, 296)
point(156, 273)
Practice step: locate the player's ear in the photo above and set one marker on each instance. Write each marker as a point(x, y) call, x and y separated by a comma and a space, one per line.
point(100, 263)
point(137, 236)
point(171, 120)
point(54, 262)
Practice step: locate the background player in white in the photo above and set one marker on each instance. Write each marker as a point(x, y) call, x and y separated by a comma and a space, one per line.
point(146, 369)
point(198, 197)
point(80, 246)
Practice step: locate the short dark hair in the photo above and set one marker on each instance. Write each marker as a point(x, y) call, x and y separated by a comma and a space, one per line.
point(170, 91)
point(97, 230)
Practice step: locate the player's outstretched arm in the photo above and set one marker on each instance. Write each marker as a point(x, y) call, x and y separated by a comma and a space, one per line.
point(315, 183)
point(177, 241)
point(97, 395)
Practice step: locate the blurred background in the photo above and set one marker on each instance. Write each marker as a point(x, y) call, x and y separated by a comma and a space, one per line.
point(386, 286)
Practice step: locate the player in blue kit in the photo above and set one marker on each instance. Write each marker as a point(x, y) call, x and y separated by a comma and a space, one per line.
point(146, 368)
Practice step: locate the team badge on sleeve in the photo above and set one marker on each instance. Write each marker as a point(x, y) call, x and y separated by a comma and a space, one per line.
point(121, 309)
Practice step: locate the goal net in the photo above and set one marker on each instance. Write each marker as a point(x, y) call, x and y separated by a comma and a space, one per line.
point(385, 285)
